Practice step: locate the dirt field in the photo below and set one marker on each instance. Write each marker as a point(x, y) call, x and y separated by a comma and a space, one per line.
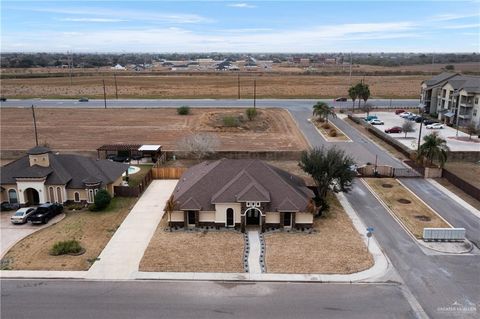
point(87, 129)
point(336, 247)
point(468, 171)
point(413, 213)
point(180, 251)
point(215, 85)
point(92, 229)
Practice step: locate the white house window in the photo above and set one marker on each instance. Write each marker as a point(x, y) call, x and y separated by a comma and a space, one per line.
point(76, 196)
point(12, 196)
point(59, 195)
point(91, 195)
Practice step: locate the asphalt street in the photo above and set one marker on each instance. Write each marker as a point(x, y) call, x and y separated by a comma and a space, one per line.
point(437, 281)
point(147, 299)
point(145, 103)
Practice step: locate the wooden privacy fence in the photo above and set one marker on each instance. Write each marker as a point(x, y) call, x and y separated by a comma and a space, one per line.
point(134, 191)
point(168, 172)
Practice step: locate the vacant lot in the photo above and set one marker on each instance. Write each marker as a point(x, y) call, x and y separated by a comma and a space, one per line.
point(215, 85)
point(92, 229)
point(197, 251)
point(87, 129)
point(336, 247)
point(408, 208)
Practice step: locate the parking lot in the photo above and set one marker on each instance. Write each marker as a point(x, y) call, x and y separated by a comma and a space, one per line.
point(448, 133)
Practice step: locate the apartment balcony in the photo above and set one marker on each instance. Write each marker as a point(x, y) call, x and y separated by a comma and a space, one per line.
point(465, 116)
point(466, 104)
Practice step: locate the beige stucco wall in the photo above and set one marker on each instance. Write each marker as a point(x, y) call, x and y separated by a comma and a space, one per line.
point(38, 185)
point(81, 192)
point(272, 218)
point(303, 218)
point(4, 194)
point(117, 182)
point(177, 216)
point(206, 216)
point(221, 212)
point(41, 160)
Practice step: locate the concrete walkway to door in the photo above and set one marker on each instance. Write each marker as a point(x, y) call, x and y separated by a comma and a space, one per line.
point(121, 257)
point(254, 252)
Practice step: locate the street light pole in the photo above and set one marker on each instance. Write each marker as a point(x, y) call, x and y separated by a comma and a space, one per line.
point(238, 85)
point(35, 125)
point(116, 87)
point(104, 93)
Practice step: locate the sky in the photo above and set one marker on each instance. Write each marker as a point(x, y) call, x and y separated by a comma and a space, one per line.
point(240, 26)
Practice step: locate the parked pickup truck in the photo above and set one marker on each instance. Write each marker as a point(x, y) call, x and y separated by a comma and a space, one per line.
point(44, 213)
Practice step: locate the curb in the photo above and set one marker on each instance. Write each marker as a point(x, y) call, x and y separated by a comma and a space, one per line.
point(323, 136)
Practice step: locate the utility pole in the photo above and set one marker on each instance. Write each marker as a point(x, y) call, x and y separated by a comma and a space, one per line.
point(35, 125)
point(104, 93)
point(350, 78)
point(420, 135)
point(254, 93)
point(238, 85)
point(433, 62)
point(70, 64)
point(116, 87)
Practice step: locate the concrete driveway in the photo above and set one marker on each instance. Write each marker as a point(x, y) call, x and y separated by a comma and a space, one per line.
point(11, 234)
point(121, 257)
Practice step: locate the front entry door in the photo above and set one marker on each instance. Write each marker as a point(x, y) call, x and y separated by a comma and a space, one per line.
point(253, 217)
point(287, 219)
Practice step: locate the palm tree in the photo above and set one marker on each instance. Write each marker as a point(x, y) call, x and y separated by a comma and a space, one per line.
point(359, 87)
point(170, 207)
point(353, 94)
point(319, 109)
point(365, 94)
point(433, 148)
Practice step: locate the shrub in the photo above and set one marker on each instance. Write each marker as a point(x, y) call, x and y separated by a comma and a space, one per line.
point(251, 113)
point(183, 110)
point(341, 111)
point(76, 206)
point(332, 133)
point(230, 121)
point(102, 199)
point(321, 119)
point(66, 247)
point(326, 126)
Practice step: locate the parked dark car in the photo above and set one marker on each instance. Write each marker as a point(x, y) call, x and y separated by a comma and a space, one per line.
point(3, 99)
point(341, 99)
point(45, 212)
point(419, 119)
point(83, 99)
point(5, 206)
point(411, 117)
point(120, 158)
point(395, 129)
point(399, 111)
point(428, 122)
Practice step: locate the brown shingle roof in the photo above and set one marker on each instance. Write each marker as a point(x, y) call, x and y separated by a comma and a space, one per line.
point(230, 181)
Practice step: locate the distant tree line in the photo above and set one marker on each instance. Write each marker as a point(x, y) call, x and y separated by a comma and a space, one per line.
point(91, 60)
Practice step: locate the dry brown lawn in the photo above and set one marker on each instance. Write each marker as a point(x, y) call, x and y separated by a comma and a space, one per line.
point(92, 229)
point(336, 247)
point(414, 215)
point(214, 85)
point(468, 171)
point(202, 251)
point(88, 129)
point(326, 128)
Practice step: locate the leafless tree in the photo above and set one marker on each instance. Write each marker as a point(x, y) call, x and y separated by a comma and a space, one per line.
point(199, 145)
point(407, 127)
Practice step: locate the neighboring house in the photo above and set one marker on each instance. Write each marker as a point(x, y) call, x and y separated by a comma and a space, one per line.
point(118, 67)
point(241, 193)
point(458, 100)
point(41, 176)
point(429, 91)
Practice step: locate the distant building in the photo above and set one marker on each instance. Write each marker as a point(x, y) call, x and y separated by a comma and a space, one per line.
point(118, 67)
point(454, 97)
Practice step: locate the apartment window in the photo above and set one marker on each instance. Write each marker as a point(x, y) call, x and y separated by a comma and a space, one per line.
point(474, 113)
point(476, 100)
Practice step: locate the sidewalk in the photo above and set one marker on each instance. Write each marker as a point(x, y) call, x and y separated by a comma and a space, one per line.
point(254, 252)
point(121, 257)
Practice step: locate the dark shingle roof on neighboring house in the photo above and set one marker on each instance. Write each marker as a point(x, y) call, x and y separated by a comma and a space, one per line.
point(71, 170)
point(37, 150)
point(230, 181)
point(439, 78)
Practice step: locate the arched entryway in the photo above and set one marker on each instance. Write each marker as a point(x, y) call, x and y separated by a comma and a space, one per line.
point(31, 196)
point(253, 217)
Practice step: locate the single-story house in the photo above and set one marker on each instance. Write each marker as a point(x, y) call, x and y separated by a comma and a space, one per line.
point(42, 176)
point(240, 193)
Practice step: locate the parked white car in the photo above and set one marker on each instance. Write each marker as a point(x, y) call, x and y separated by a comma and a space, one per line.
point(435, 126)
point(376, 122)
point(21, 215)
point(405, 114)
